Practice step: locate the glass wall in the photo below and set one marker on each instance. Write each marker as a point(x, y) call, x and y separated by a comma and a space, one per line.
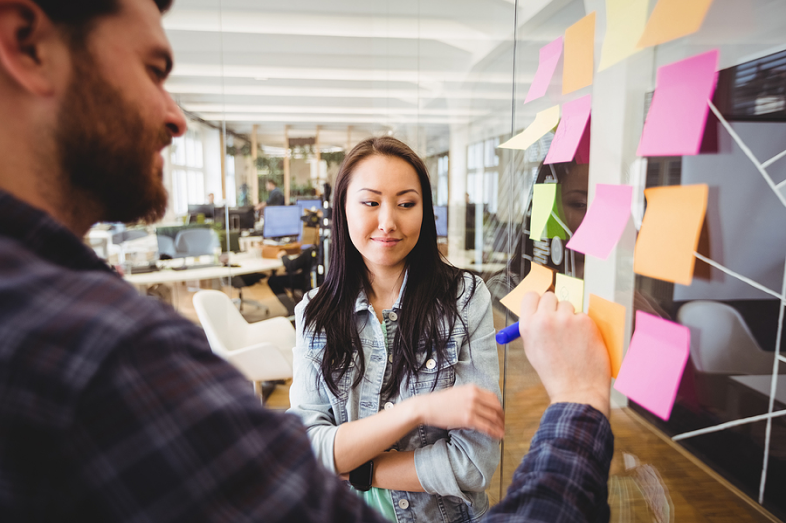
point(285, 90)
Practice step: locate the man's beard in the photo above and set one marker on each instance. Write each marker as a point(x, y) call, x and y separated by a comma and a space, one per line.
point(107, 153)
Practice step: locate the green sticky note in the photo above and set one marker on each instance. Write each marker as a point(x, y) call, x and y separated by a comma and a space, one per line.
point(545, 199)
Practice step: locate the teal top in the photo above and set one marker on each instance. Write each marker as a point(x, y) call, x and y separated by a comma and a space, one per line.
point(379, 498)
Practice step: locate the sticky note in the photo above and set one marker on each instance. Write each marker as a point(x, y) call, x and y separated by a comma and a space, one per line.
point(545, 200)
point(673, 19)
point(670, 232)
point(625, 21)
point(678, 113)
point(579, 63)
point(575, 116)
point(549, 58)
point(544, 122)
point(602, 226)
point(570, 289)
point(610, 319)
point(539, 279)
point(652, 369)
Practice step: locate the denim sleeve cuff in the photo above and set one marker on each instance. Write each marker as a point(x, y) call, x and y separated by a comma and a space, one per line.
point(436, 476)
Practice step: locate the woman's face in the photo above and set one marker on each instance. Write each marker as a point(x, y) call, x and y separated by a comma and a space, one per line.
point(384, 209)
point(574, 195)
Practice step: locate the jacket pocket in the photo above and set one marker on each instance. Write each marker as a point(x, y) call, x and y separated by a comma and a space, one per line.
point(434, 376)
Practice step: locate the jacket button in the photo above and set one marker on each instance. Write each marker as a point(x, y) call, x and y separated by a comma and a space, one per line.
point(390, 358)
point(393, 316)
point(389, 405)
point(430, 364)
point(403, 503)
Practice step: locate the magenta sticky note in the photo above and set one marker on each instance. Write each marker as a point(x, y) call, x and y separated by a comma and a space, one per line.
point(602, 226)
point(575, 116)
point(678, 113)
point(652, 369)
point(549, 58)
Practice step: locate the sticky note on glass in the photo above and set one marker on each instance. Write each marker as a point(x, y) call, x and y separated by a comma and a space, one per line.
point(670, 232)
point(625, 21)
point(579, 51)
point(673, 19)
point(602, 226)
point(575, 117)
point(610, 319)
point(539, 279)
point(678, 113)
point(545, 200)
point(549, 58)
point(544, 122)
point(652, 369)
point(570, 289)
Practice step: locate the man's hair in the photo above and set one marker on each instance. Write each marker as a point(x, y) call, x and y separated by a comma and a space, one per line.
point(272, 182)
point(77, 14)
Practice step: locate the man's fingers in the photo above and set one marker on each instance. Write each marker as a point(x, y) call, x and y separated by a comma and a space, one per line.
point(548, 302)
point(529, 304)
point(566, 307)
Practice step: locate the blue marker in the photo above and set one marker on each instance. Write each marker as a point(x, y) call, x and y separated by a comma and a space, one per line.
point(508, 334)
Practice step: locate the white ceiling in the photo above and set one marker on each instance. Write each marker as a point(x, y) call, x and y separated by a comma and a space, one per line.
point(377, 66)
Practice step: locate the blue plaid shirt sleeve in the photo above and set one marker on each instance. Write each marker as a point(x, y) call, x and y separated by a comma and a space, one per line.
point(168, 432)
point(564, 476)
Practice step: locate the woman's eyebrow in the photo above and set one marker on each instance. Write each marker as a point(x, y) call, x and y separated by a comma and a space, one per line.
point(380, 192)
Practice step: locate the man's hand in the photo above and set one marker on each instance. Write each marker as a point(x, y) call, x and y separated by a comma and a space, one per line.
point(566, 350)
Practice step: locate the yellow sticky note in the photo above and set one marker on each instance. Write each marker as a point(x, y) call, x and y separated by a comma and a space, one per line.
point(570, 289)
point(670, 232)
point(579, 55)
point(538, 280)
point(673, 19)
point(544, 122)
point(543, 196)
point(610, 319)
point(625, 21)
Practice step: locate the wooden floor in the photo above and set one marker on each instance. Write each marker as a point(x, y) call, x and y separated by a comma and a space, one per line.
point(652, 479)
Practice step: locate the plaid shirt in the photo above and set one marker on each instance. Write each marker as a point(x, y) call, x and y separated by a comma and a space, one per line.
point(113, 408)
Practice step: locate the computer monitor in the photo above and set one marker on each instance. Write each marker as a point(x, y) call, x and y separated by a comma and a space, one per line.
point(241, 218)
point(282, 221)
point(441, 215)
point(307, 205)
point(206, 209)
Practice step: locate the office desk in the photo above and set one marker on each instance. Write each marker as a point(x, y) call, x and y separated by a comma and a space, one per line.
point(248, 265)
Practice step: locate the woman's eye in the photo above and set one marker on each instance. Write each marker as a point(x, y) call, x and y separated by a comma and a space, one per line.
point(369, 204)
point(407, 205)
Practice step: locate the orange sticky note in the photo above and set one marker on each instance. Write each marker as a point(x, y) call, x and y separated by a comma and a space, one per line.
point(538, 280)
point(673, 19)
point(610, 319)
point(579, 55)
point(670, 232)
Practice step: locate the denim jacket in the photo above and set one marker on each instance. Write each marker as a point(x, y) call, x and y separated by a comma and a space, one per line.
point(454, 466)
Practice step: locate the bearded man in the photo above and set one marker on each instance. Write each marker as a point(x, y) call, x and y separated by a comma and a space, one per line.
point(112, 407)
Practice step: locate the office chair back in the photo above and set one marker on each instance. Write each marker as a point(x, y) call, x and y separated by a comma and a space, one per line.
point(166, 247)
point(196, 242)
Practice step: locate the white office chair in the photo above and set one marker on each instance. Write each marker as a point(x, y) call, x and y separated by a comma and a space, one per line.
point(720, 340)
point(261, 351)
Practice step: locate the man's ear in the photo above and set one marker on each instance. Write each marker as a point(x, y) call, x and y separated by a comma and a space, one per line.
point(27, 40)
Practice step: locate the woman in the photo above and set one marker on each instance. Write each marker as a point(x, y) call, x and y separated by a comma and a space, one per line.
point(396, 374)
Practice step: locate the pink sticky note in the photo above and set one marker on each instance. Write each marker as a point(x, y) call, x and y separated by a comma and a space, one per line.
point(549, 58)
point(602, 226)
point(676, 119)
point(575, 115)
point(652, 369)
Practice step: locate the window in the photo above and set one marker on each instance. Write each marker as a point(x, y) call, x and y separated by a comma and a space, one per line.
point(188, 174)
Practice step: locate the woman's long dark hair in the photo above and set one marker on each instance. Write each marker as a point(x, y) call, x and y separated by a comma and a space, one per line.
point(429, 308)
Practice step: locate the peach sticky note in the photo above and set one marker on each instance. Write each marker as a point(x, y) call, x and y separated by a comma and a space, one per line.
point(652, 369)
point(570, 289)
point(544, 122)
point(602, 226)
point(549, 58)
point(673, 19)
point(678, 113)
point(538, 280)
point(579, 59)
point(575, 117)
point(625, 21)
point(670, 232)
point(610, 319)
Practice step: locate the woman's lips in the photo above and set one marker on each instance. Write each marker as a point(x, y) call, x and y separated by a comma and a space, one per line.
point(387, 242)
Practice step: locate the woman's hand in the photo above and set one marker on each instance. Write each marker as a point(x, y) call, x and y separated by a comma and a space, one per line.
point(465, 406)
